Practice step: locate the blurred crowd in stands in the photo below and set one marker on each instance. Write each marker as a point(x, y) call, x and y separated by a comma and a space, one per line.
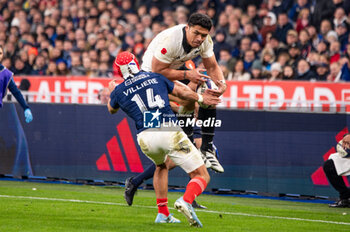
point(253, 39)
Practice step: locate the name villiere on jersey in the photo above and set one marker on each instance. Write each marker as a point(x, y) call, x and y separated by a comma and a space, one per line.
point(189, 121)
point(139, 86)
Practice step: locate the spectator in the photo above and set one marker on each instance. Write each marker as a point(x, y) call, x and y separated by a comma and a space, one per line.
point(297, 8)
point(283, 26)
point(334, 51)
point(248, 60)
point(326, 27)
point(303, 19)
point(268, 57)
point(58, 29)
point(249, 31)
point(322, 47)
point(339, 17)
point(288, 73)
point(253, 15)
point(20, 67)
point(225, 56)
point(239, 74)
point(283, 59)
point(322, 71)
point(220, 43)
point(244, 46)
point(269, 25)
point(276, 72)
point(51, 68)
point(294, 54)
point(314, 39)
point(257, 73)
point(234, 35)
point(77, 69)
point(304, 43)
point(304, 72)
point(227, 73)
point(104, 71)
point(343, 35)
point(103, 96)
point(39, 66)
point(223, 23)
point(62, 69)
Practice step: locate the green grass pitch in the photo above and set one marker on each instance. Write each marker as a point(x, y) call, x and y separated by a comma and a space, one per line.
point(29, 206)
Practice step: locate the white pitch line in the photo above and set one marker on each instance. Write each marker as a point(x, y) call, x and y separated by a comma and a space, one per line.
point(153, 207)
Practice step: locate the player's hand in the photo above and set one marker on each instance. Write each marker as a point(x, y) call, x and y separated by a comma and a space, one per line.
point(196, 76)
point(111, 85)
point(222, 87)
point(28, 115)
point(218, 92)
point(210, 99)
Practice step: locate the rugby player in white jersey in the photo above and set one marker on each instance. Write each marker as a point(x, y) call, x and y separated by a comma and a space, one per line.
point(169, 50)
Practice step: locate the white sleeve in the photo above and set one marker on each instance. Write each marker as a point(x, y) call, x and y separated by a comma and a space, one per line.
point(164, 51)
point(207, 48)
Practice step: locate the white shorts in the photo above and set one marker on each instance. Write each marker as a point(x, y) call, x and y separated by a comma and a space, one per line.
point(159, 143)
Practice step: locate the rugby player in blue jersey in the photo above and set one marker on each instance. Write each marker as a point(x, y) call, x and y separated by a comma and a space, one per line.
point(144, 95)
point(6, 82)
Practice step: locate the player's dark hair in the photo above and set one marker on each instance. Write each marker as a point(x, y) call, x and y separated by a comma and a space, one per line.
point(198, 19)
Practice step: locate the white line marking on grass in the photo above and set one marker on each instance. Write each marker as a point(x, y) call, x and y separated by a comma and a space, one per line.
point(153, 207)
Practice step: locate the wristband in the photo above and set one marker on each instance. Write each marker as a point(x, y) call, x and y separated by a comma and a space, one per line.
point(185, 75)
point(200, 98)
point(223, 81)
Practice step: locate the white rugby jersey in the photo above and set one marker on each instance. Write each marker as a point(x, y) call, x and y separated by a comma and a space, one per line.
point(168, 48)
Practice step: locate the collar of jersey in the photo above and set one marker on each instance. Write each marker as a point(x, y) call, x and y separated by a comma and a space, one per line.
point(187, 48)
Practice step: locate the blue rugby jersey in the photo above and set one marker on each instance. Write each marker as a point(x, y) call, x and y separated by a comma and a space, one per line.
point(145, 92)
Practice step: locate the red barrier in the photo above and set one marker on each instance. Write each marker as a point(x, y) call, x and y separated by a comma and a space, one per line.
point(279, 95)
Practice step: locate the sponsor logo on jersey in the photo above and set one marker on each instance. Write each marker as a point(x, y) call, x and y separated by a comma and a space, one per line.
point(163, 51)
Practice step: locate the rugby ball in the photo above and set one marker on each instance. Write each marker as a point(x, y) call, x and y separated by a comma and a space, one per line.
point(207, 84)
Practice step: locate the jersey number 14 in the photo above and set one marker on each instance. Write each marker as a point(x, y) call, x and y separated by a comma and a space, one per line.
point(152, 101)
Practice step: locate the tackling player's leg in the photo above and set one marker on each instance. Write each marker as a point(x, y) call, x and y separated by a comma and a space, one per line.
point(208, 152)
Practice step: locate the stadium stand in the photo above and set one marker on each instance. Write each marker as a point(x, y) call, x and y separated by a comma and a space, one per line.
point(81, 37)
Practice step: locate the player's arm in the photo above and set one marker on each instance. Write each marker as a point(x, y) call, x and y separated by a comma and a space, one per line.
point(110, 108)
point(215, 72)
point(20, 99)
point(184, 92)
point(112, 104)
point(163, 68)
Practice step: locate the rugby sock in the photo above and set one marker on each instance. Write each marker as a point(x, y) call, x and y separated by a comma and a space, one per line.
point(187, 129)
point(194, 188)
point(145, 175)
point(162, 204)
point(207, 132)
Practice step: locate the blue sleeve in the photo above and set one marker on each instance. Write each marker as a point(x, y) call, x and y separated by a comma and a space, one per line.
point(17, 94)
point(114, 100)
point(169, 84)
